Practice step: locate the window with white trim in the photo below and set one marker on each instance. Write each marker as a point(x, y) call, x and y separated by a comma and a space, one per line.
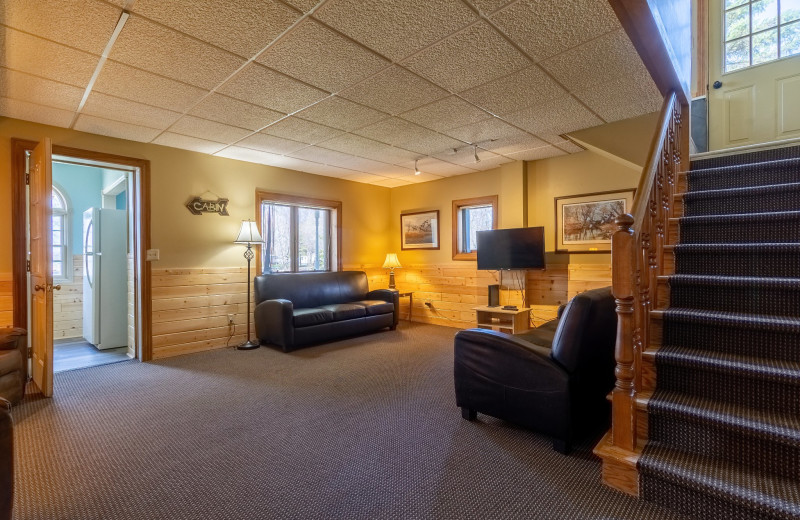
point(469, 217)
point(760, 31)
point(60, 229)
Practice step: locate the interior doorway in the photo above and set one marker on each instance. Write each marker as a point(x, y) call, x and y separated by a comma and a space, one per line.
point(80, 233)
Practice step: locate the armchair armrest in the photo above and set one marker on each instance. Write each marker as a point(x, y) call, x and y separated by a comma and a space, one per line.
point(274, 320)
point(388, 295)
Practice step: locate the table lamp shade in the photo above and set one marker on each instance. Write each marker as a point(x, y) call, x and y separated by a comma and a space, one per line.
point(248, 234)
point(391, 261)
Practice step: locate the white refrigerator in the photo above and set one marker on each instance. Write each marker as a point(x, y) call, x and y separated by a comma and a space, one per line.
point(105, 277)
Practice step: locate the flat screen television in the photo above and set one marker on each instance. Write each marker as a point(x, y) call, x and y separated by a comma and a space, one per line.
point(518, 248)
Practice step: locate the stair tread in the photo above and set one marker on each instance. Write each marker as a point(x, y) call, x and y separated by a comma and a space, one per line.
point(779, 496)
point(740, 217)
point(734, 319)
point(738, 192)
point(755, 247)
point(774, 282)
point(783, 371)
point(766, 424)
point(777, 163)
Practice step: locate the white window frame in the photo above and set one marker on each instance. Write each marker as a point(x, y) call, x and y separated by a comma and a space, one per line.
point(749, 36)
point(66, 251)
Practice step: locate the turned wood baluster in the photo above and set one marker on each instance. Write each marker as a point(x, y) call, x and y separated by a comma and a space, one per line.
point(623, 398)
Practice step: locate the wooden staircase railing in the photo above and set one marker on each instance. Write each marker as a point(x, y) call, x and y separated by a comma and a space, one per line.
point(638, 260)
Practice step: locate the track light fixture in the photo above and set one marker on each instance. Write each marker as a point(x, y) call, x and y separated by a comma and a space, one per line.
point(416, 168)
point(475, 153)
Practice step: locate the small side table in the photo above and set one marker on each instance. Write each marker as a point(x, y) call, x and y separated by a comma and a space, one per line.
point(410, 296)
point(510, 321)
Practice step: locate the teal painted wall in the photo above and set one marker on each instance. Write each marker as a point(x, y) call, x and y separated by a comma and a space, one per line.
point(83, 187)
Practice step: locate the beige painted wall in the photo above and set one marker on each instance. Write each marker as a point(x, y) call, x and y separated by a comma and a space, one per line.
point(507, 182)
point(628, 139)
point(186, 240)
point(583, 172)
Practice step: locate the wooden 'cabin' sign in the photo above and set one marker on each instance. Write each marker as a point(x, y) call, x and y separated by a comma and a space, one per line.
point(199, 206)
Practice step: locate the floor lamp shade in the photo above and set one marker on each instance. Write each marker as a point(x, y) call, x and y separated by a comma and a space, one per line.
point(248, 235)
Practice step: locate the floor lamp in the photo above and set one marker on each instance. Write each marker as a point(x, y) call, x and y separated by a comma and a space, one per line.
point(248, 236)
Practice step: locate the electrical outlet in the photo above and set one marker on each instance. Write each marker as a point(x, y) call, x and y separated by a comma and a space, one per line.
point(230, 319)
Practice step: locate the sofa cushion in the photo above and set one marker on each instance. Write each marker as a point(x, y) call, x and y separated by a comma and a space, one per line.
point(306, 290)
point(313, 316)
point(346, 311)
point(541, 335)
point(10, 361)
point(375, 307)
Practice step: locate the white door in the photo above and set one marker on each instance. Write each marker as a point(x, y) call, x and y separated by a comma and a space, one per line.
point(754, 71)
point(91, 323)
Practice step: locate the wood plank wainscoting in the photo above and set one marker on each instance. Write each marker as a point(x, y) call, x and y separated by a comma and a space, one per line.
point(68, 304)
point(191, 305)
point(6, 300)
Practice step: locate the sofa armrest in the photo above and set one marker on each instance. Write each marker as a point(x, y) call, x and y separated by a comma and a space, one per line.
point(388, 295)
point(274, 320)
point(509, 361)
point(12, 338)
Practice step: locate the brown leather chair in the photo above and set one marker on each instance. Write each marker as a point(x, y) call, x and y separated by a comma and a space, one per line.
point(13, 363)
point(6, 460)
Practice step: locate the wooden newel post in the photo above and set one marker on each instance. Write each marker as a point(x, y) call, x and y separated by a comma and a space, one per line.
point(623, 429)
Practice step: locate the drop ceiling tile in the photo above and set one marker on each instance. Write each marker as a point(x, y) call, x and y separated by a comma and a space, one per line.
point(622, 99)
point(365, 178)
point(466, 157)
point(100, 126)
point(485, 130)
point(391, 170)
point(442, 115)
point(492, 162)
point(423, 177)
point(468, 58)
point(362, 147)
point(570, 147)
point(261, 86)
point(394, 90)
point(250, 155)
point(243, 27)
point(600, 61)
point(409, 136)
point(544, 28)
point(396, 28)
point(377, 167)
point(123, 110)
point(234, 112)
point(438, 167)
point(24, 87)
point(534, 154)
point(188, 143)
point(303, 5)
point(37, 113)
point(301, 130)
point(510, 145)
point(341, 113)
point(334, 171)
point(83, 24)
point(126, 82)
point(557, 117)
point(43, 58)
point(490, 6)
point(154, 48)
point(514, 92)
point(391, 183)
point(271, 144)
point(324, 156)
point(209, 130)
point(317, 55)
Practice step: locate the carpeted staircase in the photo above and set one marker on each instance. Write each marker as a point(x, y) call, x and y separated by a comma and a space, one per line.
point(724, 420)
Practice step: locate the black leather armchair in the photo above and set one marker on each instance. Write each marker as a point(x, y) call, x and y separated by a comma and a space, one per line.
point(298, 309)
point(6, 460)
point(13, 363)
point(553, 380)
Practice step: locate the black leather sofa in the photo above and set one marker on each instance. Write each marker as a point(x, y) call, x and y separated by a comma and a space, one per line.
point(6, 460)
point(13, 363)
point(553, 380)
point(299, 309)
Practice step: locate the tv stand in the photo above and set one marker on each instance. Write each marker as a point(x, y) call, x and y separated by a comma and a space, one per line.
point(508, 321)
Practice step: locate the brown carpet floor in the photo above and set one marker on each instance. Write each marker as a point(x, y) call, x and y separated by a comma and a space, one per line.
point(361, 428)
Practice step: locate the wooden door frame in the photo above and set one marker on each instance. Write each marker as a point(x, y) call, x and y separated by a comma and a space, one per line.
point(142, 268)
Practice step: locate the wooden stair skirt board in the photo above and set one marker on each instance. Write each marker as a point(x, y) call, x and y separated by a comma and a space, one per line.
point(718, 374)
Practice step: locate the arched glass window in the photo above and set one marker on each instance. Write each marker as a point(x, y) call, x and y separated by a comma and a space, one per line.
point(60, 224)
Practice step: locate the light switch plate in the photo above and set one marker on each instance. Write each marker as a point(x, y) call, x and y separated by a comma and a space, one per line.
point(153, 254)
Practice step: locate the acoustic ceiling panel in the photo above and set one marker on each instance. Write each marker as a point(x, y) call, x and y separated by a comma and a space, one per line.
point(468, 58)
point(40, 57)
point(250, 155)
point(313, 53)
point(261, 86)
point(565, 115)
point(224, 109)
point(98, 125)
point(17, 109)
point(394, 90)
point(396, 28)
point(271, 144)
point(301, 130)
point(514, 92)
point(488, 7)
point(24, 87)
point(243, 27)
point(118, 109)
point(209, 130)
point(363, 147)
point(409, 136)
point(154, 48)
point(188, 143)
point(433, 166)
point(622, 99)
point(341, 113)
point(391, 183)
point(545, 28)
point(442, 115)
point(535, 154)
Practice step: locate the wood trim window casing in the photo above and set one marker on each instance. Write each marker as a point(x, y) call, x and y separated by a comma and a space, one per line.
point(489, 200)
point(142, 268)
point(334, 205)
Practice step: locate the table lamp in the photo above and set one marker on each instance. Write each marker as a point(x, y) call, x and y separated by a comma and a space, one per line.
point(391, 263)
point(248, 235)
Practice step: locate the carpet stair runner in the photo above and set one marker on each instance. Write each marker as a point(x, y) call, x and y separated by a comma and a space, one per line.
point(724, 420)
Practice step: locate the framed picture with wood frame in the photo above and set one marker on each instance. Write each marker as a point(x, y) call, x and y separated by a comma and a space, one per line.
point(419, 230)
point(585, 223)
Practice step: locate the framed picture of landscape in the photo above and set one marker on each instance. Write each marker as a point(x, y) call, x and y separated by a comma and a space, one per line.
point(419, 230)
point(585, 223)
